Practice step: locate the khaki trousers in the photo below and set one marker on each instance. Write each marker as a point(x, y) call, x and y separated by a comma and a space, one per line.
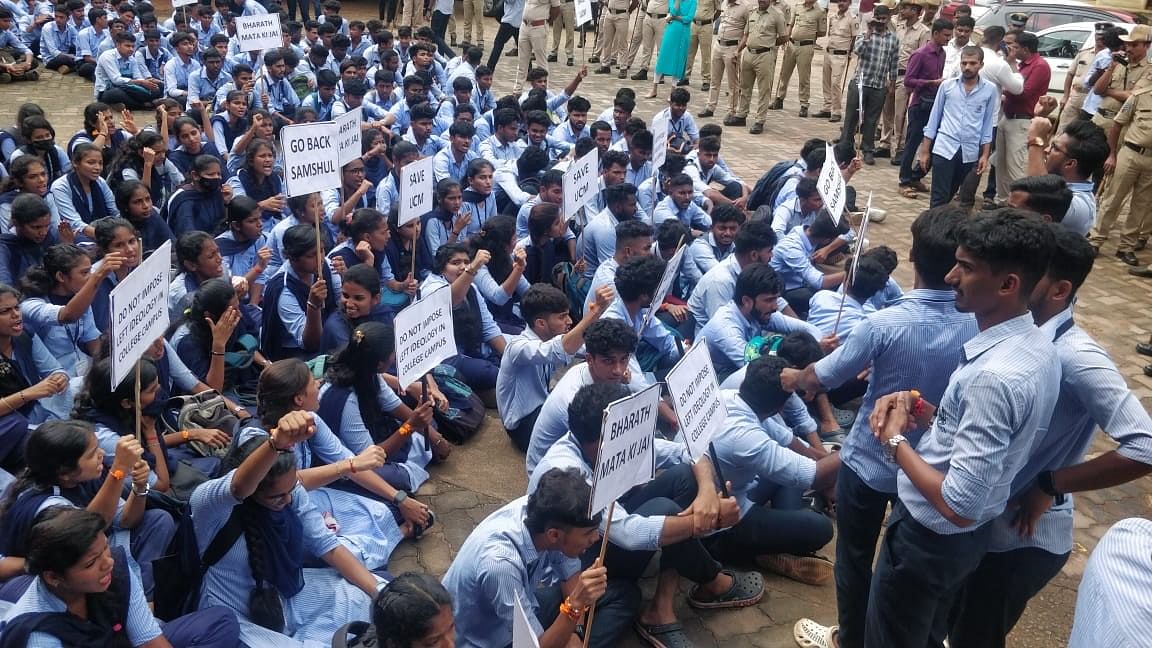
point(702, 39)
point(756, 70)
point(833, 81)
point(533, 43)
point(796, 56)
point(1011, 154)
point(564, 25)
point(474, 15)
point(1133, 176)
point(725, 61)
point(651, 32)
point(894, 117)
point(614, 38)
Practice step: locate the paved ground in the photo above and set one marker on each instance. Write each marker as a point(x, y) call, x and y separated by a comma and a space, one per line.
point(487, 472)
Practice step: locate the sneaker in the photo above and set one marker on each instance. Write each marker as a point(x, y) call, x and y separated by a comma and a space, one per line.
point(705, 87)
point(552, 58)
point(812, 570)
point(757, 128)
point(777, 105)
point(641, 75)
point(683, 82)
point(706, 114)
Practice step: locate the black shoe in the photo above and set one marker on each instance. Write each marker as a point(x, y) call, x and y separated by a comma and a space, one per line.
point(623, 73)
point(1145, 273)
point(641, 75)
point(757, 128)
point(464, 45)
point(834, 118)
point(1128, 256)
point(603, 69)
point(883, 153)
point(571, 62)
point(869, 158)
point(823, 114)
point(1148, 370)
point(776, 105)
point(1144, 348)
point(705, 87)
point(594, 59)
point(739, 121)
point(683, 82)
point(453, 43)
point(551, 58)
point(1140, 245)
point(803, 111)
point(896, 160)
point(513, 52)
point(706, 114)
point(1095, 251)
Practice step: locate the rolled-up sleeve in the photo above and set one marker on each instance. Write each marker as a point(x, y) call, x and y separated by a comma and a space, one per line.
point(982, 438)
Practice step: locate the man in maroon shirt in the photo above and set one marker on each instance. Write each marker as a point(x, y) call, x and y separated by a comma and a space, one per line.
point(1017, 112)
point(922, 78)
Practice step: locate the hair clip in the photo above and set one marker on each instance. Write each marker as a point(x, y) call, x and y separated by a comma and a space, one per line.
point(358, 336)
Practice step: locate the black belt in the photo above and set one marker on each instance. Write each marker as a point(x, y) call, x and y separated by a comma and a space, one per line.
point(804, 42)
point(1008, 115)
point(1106, 114)
point(703, 22)
point(652, 15)
point(759, 50)
point(901, 71)
point(727, 43)
point(838, 52)
point(1142, 150)
point(617, 12)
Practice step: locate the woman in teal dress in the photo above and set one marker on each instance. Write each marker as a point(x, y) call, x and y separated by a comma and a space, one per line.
point(674, 48)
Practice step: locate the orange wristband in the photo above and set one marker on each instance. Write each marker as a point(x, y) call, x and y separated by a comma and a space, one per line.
point(404, 430)
point(184, 435)
point(569, 611)
point(352, 466)
point(117, 474)
point(918, 404)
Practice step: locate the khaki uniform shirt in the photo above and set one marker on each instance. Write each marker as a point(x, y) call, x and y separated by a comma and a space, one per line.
point(538, 9)
point(842, 29)
point(911, 37)
point(733, 19)
point(658, 7)
point(706, 9)
point(764, 27)
point(1124, 78)
point(807, 23)
point(1136, 114)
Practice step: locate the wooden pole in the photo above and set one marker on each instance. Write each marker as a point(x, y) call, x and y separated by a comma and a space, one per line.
point(139, 438)
point(599, 561)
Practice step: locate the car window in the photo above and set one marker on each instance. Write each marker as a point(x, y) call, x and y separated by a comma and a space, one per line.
point(1045, 19)
point(1062, 44)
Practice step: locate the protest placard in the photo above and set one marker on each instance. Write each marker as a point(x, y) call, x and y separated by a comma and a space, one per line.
point(182, 3)
point(309, 158)
point(259, 32)
point(581, 182)
point(139, 307)
point(860, 238)
point(583, 12)
point(671, 271)
point(831, 186)
point(696, 398)
point(348, 135)
point(424, 335)
point(417, 184)
point(659, 142)
point(522, 634)
point(627, 455)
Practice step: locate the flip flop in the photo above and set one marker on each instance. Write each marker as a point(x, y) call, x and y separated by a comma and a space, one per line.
point(844, 417)
point(747, 589)
point(809, 634)
point(663, 635)
point(418, 530)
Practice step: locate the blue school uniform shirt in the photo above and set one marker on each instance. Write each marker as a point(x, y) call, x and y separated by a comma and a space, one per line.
point(55, 41)
point(728, 332)
point(205, 89)
point(525, 369)
point(63, 339)
point(703, 254)
point(481, 207)
point(1112, 598)
point(240, 262)
point(445, 165)
point(792, 260)
point(692, 215)
point(825, 313)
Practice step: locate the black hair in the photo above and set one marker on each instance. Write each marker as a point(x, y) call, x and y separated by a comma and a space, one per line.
point(1010, 241)
point(40, 280)
point(98, 396)
point(494, 236)
point(476, 167)
point(19, 169)
point(560, 501)
point(884, 255)
point(710, 144)
point(613, 158)
point(815, 158)
point(761, 388)
point(680, 180)
point(357, 366)
point(964, 21)
point(1072, 257)
point(279, 384)
point(799, 349)
point(811, 145)
point(1048, 195)
point(616, 194)
point(579, 104)
point(757, 279)
point(940, 24)
point(1028, 41)
point(1088, 145)
point(824, 228)
point(541, 218)
point(641, 140)
point(531, 162)
point(727, 213)
point(869, 279)
point(608, 336)
point(669, 234)
point(365, 276)
point(241, 208)
point(679, 96)
point(445, 253)
point(128, 188)
point(586, 410)
point(627, 231)
point(934, 240)
point(404, 609)
point(52, 449)
point(104, 230)
point(806, 187)
point(755, 235)
point(639, 276)
point(189, 247)
point(298, 241)
point(542, 300)
point(28, 208)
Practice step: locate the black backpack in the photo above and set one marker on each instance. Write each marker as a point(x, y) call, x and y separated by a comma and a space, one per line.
point(363, 636)
point(769, 184)
point(182, 568)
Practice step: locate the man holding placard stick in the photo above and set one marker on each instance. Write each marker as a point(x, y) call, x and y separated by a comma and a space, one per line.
point(528, 551)
point(669, 513)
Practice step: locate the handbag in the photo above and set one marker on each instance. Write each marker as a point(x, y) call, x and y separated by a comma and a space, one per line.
point(207, 410)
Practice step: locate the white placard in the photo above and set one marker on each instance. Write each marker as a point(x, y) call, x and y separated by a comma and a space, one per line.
point(659, 142)
point(831, 185)
point(696, 398)
point(309, 158)
point(182, 3)
point(139, 307)
point(671, 271)
point(348, 135)
point(259, 32)
point(581, 181)
point(424, 335)
point(583, 12)
point(417, 184)
point(860, 241)
point(522, 634)
point(627, 455)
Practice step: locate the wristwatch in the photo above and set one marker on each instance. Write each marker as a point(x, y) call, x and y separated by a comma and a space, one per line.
point(399, 497)
point(891, 444)
point(142, 492)
point(1044, 481)
point(1037, 141)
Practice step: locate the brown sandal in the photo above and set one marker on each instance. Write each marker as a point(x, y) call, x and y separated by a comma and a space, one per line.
point(908, 192)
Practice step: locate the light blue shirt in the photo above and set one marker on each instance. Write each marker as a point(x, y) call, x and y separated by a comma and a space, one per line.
point(791, 259)
point(112, 70)
point(1100, 63)
point(501, 154)
point(748, 453)
point(387, 192)
point(599, 240)
point(62, 197)
point(489, 330)
point(703, 255)
point(527, 365)
point(605, 276)
point(692, 215)
point(701, 179)
point(176, 77)
point(728, 333)
point(445, 165)
point(1093, 394)
point(713, 290)
point(65, 340)
point(1081, 215)
point(826, 314)
point(915, 343)
point(962, 120)
point(497, 565)
point(999, 398)
point(685, 126)
point(788, 216)
point(55, 41)
point(1112, 607)
point(655, 333)
point(205, 89)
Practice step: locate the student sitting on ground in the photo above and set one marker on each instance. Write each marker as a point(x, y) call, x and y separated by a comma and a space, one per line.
point(297, 299)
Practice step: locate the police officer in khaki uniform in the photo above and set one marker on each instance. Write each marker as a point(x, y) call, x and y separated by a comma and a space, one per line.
point(564, 25)
point(1126, 70)
point(843, 25)
point(613, 35)
point(1074, 93)
point(533, 41)
point(808, 23)
point(649, 33)
point(726, 57)
point(912, 34)
point(767, 28)
point(706, 13)
point(1133, 172)
point(930, 9)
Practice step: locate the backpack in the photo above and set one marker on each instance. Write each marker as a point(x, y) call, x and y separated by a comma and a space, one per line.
point(363, 636)
point(764, 193)
point(207, 410)
point(183, 564)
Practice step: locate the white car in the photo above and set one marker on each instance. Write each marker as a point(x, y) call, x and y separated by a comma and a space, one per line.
point(1059, 46)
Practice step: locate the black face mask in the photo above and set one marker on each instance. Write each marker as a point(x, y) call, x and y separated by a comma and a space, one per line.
point(209, 185)
point(44, 145)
